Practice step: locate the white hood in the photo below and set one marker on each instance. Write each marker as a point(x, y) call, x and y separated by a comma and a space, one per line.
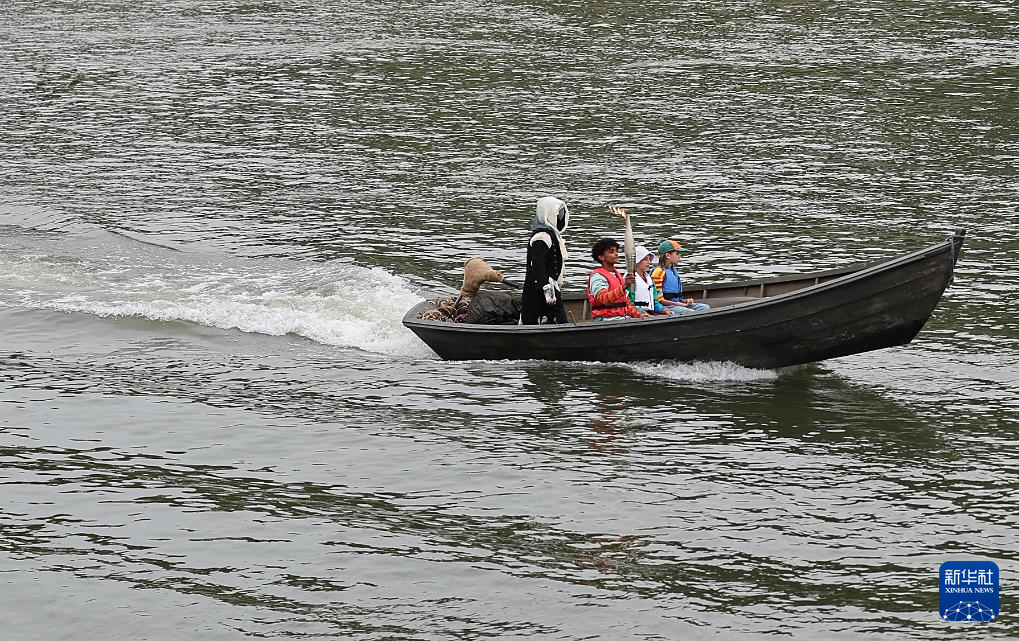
point(553, 214)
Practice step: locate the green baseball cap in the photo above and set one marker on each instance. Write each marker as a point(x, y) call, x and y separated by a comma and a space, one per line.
point(669, 245)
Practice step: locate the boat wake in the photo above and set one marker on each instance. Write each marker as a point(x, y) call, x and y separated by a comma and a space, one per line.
point(701, 372)
point(111, 276)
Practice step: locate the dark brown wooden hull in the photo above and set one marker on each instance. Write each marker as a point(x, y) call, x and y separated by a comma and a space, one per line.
point(781, 322)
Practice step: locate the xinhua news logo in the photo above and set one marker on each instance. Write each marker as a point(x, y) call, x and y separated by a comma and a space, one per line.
point(969, 591)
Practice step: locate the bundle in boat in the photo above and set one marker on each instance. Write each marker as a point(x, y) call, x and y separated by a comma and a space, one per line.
point(473, 305)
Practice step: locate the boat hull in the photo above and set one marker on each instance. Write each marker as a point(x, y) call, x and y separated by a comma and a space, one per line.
point(871, 308)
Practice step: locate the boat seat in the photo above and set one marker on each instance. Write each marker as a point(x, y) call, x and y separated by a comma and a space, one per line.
point(715, 303)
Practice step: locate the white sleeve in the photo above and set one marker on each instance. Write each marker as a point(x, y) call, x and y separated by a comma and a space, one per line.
point(543, 237)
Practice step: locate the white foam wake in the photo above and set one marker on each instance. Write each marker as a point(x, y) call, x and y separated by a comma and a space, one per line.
point(699, 372)
point(332, 303)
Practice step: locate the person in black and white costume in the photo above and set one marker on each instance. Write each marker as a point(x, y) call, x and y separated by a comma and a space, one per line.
point(546, 255)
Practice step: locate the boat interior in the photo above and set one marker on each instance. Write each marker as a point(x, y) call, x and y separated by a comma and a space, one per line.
point(719, 295)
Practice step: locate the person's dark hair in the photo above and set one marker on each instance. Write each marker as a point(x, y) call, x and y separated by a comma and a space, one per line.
point(601, 246)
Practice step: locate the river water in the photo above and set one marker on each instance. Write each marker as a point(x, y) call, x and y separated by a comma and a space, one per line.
point(214, 214)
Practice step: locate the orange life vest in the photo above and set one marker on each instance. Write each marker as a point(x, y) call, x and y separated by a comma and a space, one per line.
point(608, 310)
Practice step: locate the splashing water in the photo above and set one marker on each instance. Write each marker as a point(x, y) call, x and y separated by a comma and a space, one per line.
point(338, 304)
point(707, 371)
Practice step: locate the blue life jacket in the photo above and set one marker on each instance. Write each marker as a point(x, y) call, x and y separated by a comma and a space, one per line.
point(672, 286)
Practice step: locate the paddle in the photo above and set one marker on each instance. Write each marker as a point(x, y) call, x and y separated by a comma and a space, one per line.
point(627, 241)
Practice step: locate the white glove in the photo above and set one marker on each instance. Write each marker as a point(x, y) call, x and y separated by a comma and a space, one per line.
point(550, 292)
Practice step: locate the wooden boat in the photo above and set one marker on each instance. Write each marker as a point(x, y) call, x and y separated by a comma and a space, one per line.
point(765, 323)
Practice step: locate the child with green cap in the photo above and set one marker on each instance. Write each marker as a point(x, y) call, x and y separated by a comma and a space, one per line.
point(668, 283)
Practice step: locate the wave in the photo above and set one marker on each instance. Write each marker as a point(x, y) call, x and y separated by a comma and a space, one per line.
point(333, 303)
point(700, 372)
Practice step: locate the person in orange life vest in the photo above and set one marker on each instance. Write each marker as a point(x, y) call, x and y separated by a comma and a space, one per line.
point(645, 296)
point(606, 288)
point(668, 283)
